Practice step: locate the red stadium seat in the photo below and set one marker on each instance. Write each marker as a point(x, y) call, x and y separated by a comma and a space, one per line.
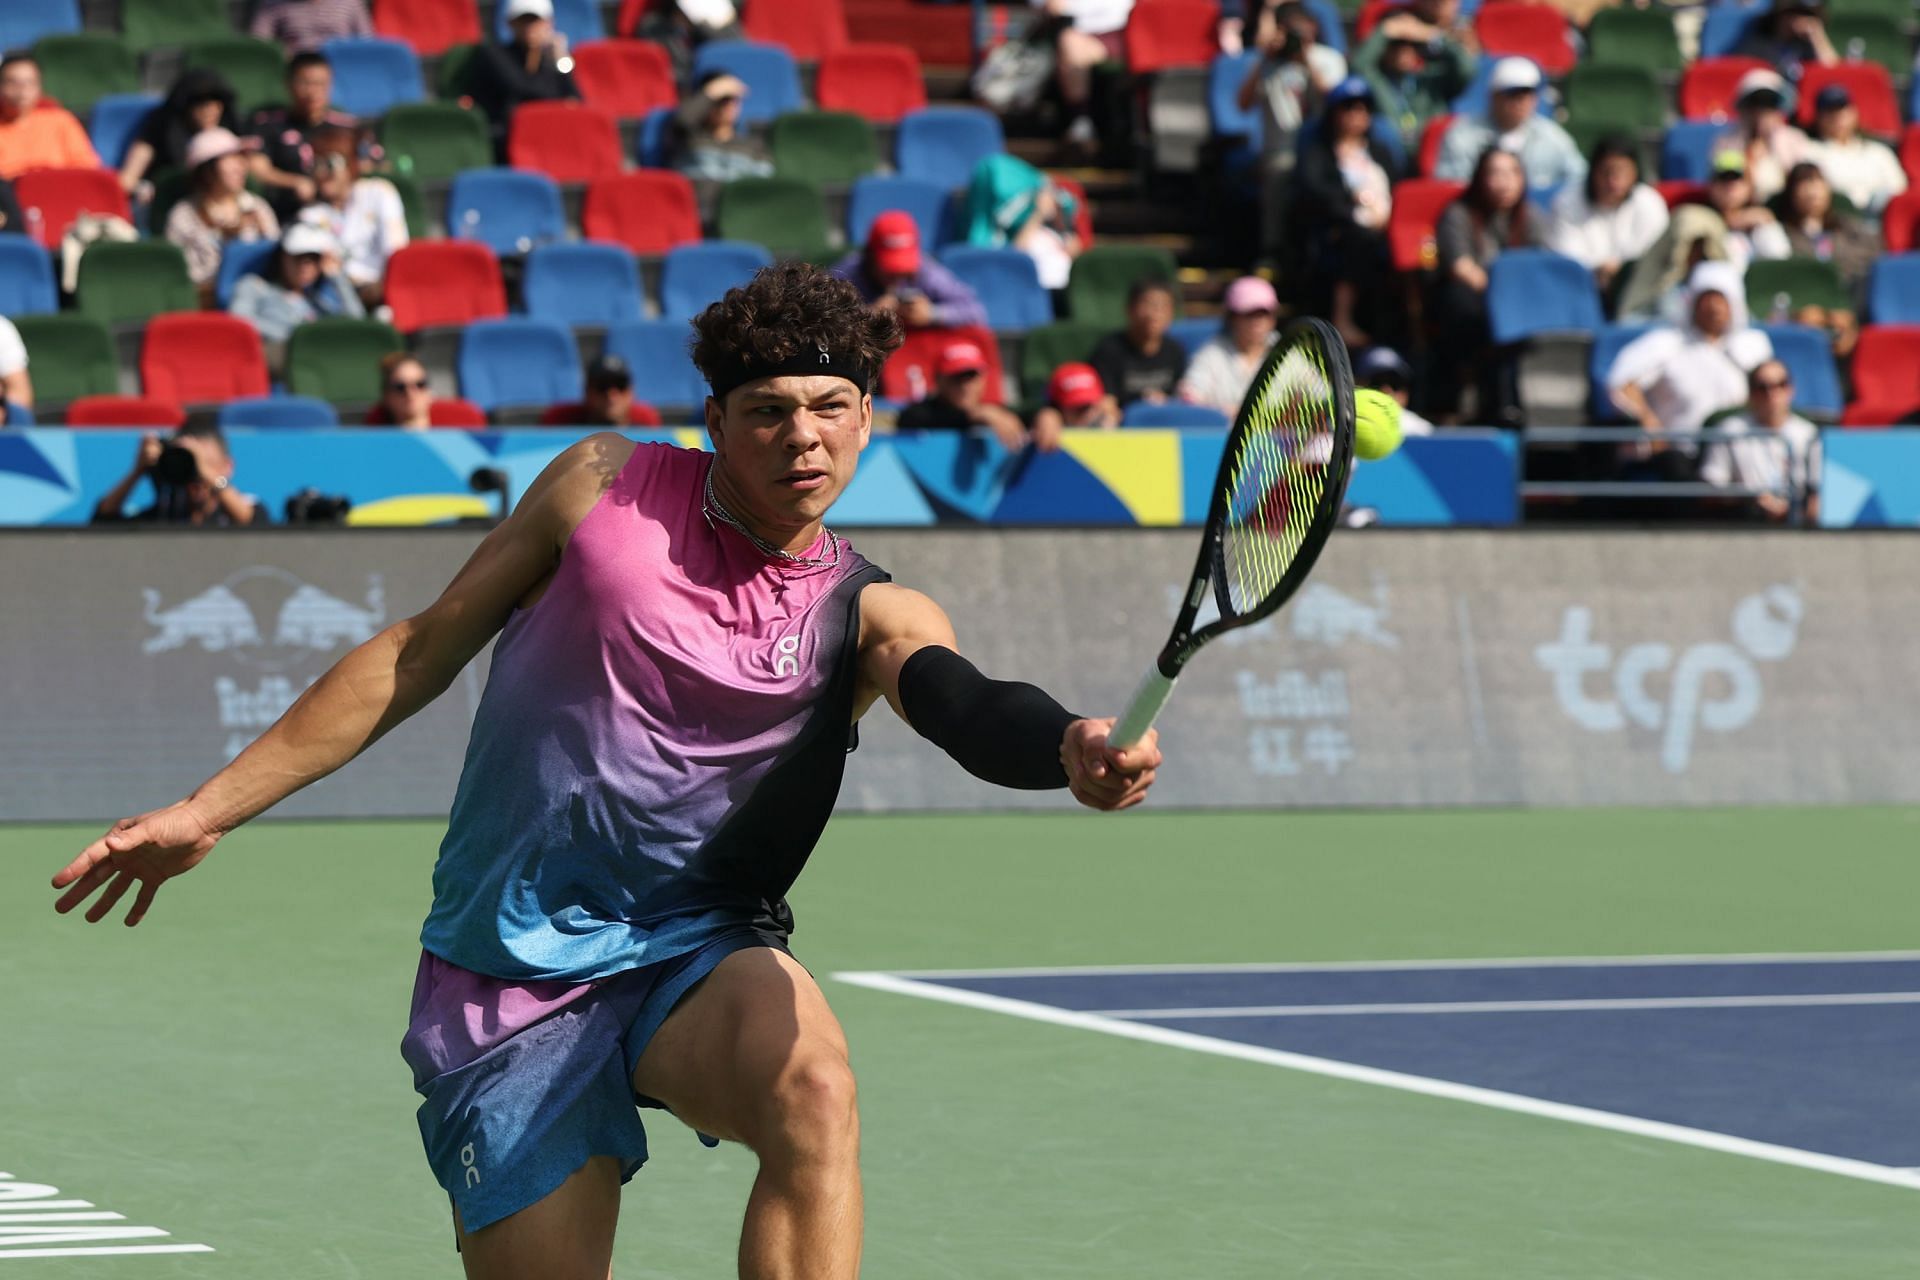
point(1172, 33)
point(1886, 375)
point(647, 211)
point(124, 411)
point(880, 82)
point(61, 195)
point(1706, 89)
point(444, 282)
point(447, 411)
point(1900, 220)
point(809, 29)
point(1536, 31)
point(1679, 191)
point(941, 34)
point(567, 141)
point(1431, 137)
point(430, 26)
point(1370, 15)
point(1910, 153)
point(908, 373)
point(1417, 206)
point(626, 77)
point(1870, 85)
point(202, 357)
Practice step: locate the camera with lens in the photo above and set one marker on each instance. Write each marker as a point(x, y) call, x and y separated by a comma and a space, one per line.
point(310, 506)
point(176, 466)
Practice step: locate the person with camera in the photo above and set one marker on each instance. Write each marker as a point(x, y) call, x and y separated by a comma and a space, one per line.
point(1290, 80)
point(192, 478)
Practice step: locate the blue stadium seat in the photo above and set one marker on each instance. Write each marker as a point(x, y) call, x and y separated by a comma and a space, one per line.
point(658, 353)
point(1607, 346)
point(1726, 25)
point(582, 284)
point(26, 278)
point(24, 21)
point(695, 275)
point(372, 75)
point(1174, 413)
point(508, 210)
point(1474, 98)
point(942, 144)
point(1192, 332)
point(1808, 354)
point(1007, 282)
point(1686, 153)
point(772, 76)
point(578, 20)
point(518, 361)
point(929, 204)
point(114, 121)
point(1536, 292)
point(1224, 78)
point(655, 136)
point(1893, 293)
point(240, 258)
point(274, 413)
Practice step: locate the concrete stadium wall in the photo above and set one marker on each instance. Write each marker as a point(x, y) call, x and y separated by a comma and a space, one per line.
point(1540, 668)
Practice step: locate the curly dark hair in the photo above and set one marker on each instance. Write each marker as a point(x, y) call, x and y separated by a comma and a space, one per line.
point(786, 309)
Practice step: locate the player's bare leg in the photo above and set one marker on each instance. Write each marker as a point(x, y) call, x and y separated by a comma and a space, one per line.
point(754, 1055)
point(565, 1235)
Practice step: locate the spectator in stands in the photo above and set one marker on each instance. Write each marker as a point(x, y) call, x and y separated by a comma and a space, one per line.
point(1763, 134)
point(1817, 229)
point(1141, 362)
point(1860, 168)
point(16, 388)
point(892, 274)
point(709, 142)
point(1791, 35)
point(1493, 215)
point(284, 163)
point(1612, 218)
point(1345, 194)
point(1417, 66)
point(1009, 202)
point(1225, 364)
point(219, 207)
point(36, 133)
point(363, 212)
point(300, 283)
point(406, 400)
point(200, 99)
point(192, 479)
point(1780, 453)
point(959, 400)
point(1514, 124)
point(682, 26)
point(1676, 377)
point(1382, 369)
point(1089, 32)
point(1076, 397)
point(12, 221)
point(1729, 227)
point(1290, 81)
point(609, 401)
point(531, 67)
point(302, 26)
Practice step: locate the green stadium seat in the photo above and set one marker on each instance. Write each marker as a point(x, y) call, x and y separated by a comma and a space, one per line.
point(1605, 98)
point(1873, 37)
point(1048, 347)
point(450, 79)
point(255, 69)
point(432, 141)
point(1806, 282)
point(81, 69)
point(1097, 288)
point(153, 24)
point(1900, 11)
point(412, 202)
point(70, 355)
point(125, 283)
point(1642, 38)
point(784, 214)
point(338, 360)
point(827, 148)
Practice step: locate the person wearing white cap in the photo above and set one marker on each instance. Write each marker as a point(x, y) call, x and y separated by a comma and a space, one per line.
point(219, 207)
point(1513, 123)
point(532, 67)
point(1676, 377)
point(1225, 363)
point(1763, 134)
point(301, 283)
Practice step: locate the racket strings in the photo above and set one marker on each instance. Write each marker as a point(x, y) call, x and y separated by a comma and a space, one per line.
point(1277, 477)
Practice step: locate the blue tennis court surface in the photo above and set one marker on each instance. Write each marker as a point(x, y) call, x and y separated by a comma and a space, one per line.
point(1813, 1054)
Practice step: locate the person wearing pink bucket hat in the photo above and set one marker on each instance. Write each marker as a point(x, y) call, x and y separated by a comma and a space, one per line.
point(219, 208)
point(1226, 362)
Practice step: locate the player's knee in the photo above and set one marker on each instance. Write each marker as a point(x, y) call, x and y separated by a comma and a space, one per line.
point(812, 1112)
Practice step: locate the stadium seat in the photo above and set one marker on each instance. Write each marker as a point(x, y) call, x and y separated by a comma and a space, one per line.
point(567, 141)
point(124, 283)
point(241, 258)
point(928, 203)
point(1900, 221)
point(1727, 24)
point(338, 360)
point(1679, 191)
point(27, 285)
point(50, 199)
point(124, 411)
point(826, 148)
point(772, 78)
point(1603, 99)
point(452, 411)
point(1899, 10)
point(879, 82)
point(1608, 342)
point(1432, 135)
point(808, 29)
point(1872, 37)
point(577, 20)
point(940, 35)
point(1007, 282)
point(1535, 291)
point(1098, 284)
point(658, 354)
point(693, 276)
point(1808, 355)
point(651, 148)
point(649, 211)
point(1082, 207)
point(1417, 206)
point(444, 282)
point(430, 26)
point(1886, 376)
point(22, 24)
point(942, 144)
point(202, 357)
point(278, 413)
point(413, 203)
point(1709, 83)
point(1893, 291)
point(1686, 153)
point(255, 68)
point(508, 210)
point(450, 78)
point(70, 355)
point(908, 374)
point(1795, 283)
point(1910, 152)
point(1536, 31)
point(1173, 413)
point(114, 122)
point(432, 141)
point(1229, 121)
point(371, 77)
point(79, 70)
point(1627, 37)
point(582, 285)
point(519, 363)
point(155, 24)
point(1163, 34)
point(1193, 332)
point(624, 78)
point(1870, 85)
point(1047, 348)
point(784, 214)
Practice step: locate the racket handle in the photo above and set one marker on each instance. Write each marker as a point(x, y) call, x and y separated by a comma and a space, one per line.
point(1152, 695)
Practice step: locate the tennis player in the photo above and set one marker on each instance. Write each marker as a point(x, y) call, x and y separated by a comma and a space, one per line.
point(684, 648)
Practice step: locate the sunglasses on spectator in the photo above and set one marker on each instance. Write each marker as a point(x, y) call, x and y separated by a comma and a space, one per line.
point(407, 384)
point(1773, 384)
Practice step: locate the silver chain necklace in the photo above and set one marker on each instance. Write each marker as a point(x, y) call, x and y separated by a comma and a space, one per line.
point(714, 509)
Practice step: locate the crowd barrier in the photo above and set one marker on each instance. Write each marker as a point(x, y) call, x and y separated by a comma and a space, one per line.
point(1462, 668)
point(1870, 479)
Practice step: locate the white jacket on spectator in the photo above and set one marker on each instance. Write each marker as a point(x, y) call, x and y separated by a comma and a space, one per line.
point(371, 227)
point(1095, 17)
point(1218, 375)
point(1685, 375)
point(1594, 237)
point(1764, 460)
point(1864, 171)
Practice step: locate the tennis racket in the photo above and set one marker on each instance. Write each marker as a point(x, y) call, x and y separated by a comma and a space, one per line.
point(1282, 478)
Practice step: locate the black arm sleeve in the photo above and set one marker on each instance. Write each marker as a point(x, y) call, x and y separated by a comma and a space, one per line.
point(1001, 731)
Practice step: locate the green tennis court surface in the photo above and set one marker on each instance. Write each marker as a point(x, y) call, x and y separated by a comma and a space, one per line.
point(228, 1073)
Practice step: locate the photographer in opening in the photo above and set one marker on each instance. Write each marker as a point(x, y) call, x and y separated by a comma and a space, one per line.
point(192, 477)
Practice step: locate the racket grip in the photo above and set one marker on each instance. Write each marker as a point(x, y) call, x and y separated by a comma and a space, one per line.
point(1140, 714)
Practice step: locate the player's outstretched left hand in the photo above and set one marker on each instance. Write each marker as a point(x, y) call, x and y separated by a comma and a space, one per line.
point(151, 849)
point(1101, 777)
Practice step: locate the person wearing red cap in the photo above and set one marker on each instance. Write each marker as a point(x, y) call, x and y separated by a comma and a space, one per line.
point(959, 399)
point(1075, 398)
point(892, 274)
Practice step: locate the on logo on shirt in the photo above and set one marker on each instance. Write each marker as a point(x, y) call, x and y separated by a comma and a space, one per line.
point(786, 660)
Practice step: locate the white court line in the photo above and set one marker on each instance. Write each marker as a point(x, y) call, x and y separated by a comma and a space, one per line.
point(1363, 966)
point(102, 1251)
point(1521, 1006)
point(1497, 1099)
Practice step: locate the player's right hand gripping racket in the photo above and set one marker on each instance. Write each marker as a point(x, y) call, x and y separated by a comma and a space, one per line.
point(1275, 500)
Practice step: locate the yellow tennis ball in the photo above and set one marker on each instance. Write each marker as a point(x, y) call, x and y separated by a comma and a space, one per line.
point(1376, 425)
